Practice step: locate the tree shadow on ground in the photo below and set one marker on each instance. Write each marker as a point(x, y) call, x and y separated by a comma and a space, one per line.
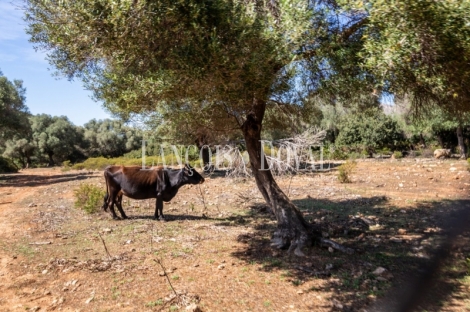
point(403, 241)
point(28, 180)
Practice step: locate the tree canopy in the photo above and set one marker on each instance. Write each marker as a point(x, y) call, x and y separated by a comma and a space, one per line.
point(240, 57)
point(13, 110)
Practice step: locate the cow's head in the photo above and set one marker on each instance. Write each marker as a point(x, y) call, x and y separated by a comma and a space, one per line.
point(191, 176)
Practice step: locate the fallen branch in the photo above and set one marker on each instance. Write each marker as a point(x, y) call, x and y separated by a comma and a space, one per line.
point(166, 275)
point(203, 200)
point(105, 248)
point(41, 243)
point(324, 242)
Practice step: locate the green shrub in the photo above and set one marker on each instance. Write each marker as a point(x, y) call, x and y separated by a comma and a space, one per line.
point(7, 166)
point(397, 155)
point(89, 197)
point(79, 166)
point(345, 170)
point(371, 130)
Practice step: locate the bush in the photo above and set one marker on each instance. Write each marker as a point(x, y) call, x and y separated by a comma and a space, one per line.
point(397, 155)
point(89, 197)
point(370, 130)
point(345, 170)
point(7, 166)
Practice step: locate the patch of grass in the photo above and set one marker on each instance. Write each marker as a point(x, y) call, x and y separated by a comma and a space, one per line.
point(88, 197)
point(272, 262)
point(154, 303)
point(345, 170)
point(25, 250)
point(267, 303)
point(397, 155)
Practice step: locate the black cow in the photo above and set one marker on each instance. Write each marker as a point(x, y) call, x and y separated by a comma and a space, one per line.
point(138, 183)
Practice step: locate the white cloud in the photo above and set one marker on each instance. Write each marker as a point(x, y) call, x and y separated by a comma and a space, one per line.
point(11, 21)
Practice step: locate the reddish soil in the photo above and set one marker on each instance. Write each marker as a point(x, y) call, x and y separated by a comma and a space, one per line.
point(214, 250)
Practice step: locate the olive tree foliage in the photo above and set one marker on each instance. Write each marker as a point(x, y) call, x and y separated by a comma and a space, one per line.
point(55, 137)
point(236, 55)
point(370, 131)
point(435, 123)
point(20, 149)
point(13, 110)
point(419, 49)
point(110, 138)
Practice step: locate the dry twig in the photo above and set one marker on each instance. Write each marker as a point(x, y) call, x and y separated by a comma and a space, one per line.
point(104, 244)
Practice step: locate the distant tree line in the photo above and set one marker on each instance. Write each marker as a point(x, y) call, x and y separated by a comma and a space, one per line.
point(44, 140)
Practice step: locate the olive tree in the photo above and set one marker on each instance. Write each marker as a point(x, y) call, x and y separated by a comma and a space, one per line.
point(13, 110)
point(236, 55)
point(110, 138)
point(55, 137)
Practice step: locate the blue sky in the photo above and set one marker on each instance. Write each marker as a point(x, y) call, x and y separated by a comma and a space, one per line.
point(45, 93)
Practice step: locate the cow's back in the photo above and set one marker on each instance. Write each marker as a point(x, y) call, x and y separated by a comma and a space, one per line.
point(138, 183)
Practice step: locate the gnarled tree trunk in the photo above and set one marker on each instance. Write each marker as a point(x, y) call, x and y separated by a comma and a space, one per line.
point(293, 231)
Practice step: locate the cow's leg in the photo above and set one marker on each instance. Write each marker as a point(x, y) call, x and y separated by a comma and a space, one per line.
point(112, 197)
point(119, 206)
point(105, 202)
point(111, 207)
point(159, 208)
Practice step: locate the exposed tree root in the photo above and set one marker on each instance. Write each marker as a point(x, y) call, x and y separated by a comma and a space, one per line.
point(295, 242)
point(329, 243)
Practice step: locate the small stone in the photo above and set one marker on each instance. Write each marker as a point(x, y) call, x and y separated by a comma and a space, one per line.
point(220, 267)
point(329, 266)
point(161, 273)
point(396, 239)
point(196, 265)
point(299, 292)
point(44, 271)
point(379, 271)
point(337, 304)
point(107, 230)
point(401, 231)
point(330, 249)
point(128, 241)
point(400, 185)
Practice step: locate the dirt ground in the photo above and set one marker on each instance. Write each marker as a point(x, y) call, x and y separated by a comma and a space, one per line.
point(214, 250)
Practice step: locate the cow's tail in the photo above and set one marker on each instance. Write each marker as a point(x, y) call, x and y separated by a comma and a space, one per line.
point(106, 196)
